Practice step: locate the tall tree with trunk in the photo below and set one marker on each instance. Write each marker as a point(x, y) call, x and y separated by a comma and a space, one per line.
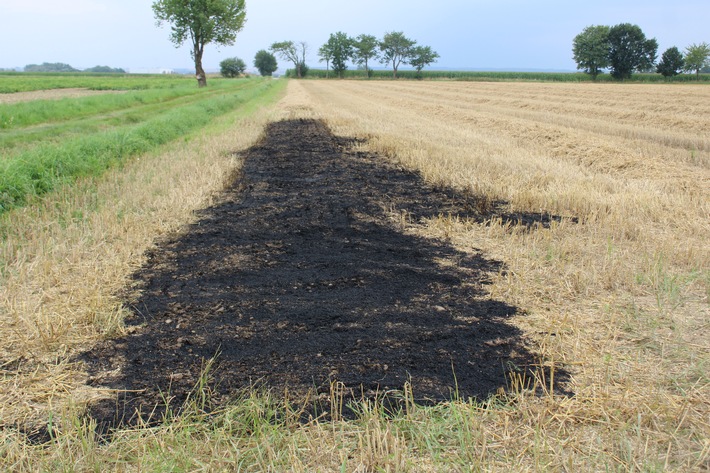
point(396, 50)
point(697, 57)
point(630, 51)
point(422, 56)
point(365, 48)
point(341, 47)
point(202, 22)
point(325, 53)
point(590, 50)
point(671, 62)
point(295, 53)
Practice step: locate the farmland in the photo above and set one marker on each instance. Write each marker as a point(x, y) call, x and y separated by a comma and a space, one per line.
point(592, 199)
point(20, 82)
point(46, 142)
point(497, 76)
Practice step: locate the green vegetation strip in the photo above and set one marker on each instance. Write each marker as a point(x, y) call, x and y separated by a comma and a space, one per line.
point(11, 82)
point(500, 76)
point(23, 114)
point(19, 140)
point(43, 168)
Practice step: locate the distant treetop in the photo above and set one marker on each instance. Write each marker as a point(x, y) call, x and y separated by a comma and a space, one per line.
point(105, 69)
point(50, 67)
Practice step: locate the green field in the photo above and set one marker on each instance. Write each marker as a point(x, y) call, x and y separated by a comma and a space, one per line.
point(25, 82)
point(47, 142)
point(498, 76)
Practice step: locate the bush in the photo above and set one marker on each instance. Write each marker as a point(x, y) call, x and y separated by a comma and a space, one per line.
point(232, 67)
point(305, 70)
point(265, 62)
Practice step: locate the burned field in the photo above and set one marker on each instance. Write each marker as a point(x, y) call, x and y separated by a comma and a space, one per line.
point(299, 278)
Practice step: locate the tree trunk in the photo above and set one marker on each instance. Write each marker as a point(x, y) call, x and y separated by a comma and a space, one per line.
point(199, 71)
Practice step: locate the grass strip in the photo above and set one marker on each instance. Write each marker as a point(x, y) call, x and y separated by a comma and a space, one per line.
point(11, 82)
point(24, 114)
point(495, 76)
point(14, 141)
point(41, 169)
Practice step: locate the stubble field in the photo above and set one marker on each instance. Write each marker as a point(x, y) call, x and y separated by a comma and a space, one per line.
point(617, 292)
point(593, 198)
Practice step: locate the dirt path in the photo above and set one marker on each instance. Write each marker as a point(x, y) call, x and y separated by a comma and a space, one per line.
point(52, 94)
point(298, 277)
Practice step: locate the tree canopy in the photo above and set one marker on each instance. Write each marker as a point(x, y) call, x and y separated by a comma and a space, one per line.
point(232, 67)
point(295, 53)
point(422, 56)
point(340, 47)
point(697, 57)
point(365, 47)
point(50, 67)
point(591, 50)
point(265, 63)
point(630, 51)
point(396, 50)
point(325, 54)
point(671, 62)
point(106, 69)
point(202, 22)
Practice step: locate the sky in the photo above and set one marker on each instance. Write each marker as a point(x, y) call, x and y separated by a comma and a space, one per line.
point(475, 34)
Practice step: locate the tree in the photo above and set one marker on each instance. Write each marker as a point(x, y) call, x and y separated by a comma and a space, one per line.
point(105, 69)
point(396, 49)
point(697, 57)
point(340, 46)
point(290, 51)
point(326, 55)
point(265, 62)
point(50, 67)
point(671, 62)
point(202, 22)
point(365, 48)
point(422, 56)
point(590, 50)
point(630, 51)
point(232, 67)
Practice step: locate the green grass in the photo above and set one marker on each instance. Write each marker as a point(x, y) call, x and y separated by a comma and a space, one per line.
point(258, 432)
point(89, 147)
point(26, 82)
point(74, 117)
point(42, 111)
point(499, 76)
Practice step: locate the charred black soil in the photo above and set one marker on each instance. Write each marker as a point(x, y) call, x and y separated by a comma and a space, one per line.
point(298, 277)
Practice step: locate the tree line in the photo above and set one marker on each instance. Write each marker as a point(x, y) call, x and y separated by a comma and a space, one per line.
point(394, 50)
point(624, 49)
point(61, 67)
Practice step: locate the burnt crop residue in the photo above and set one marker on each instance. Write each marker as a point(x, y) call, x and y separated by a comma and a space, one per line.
point(298, 278)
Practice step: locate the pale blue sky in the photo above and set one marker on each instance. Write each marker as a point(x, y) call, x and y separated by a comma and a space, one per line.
point(484, 34)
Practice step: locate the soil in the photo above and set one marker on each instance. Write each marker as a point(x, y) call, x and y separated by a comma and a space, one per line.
point(52, 94)
point(299, 277)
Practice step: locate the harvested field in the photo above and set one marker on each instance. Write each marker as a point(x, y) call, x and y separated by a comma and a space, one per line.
point(298, 279)
point(549, 239)
point(621, 298)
